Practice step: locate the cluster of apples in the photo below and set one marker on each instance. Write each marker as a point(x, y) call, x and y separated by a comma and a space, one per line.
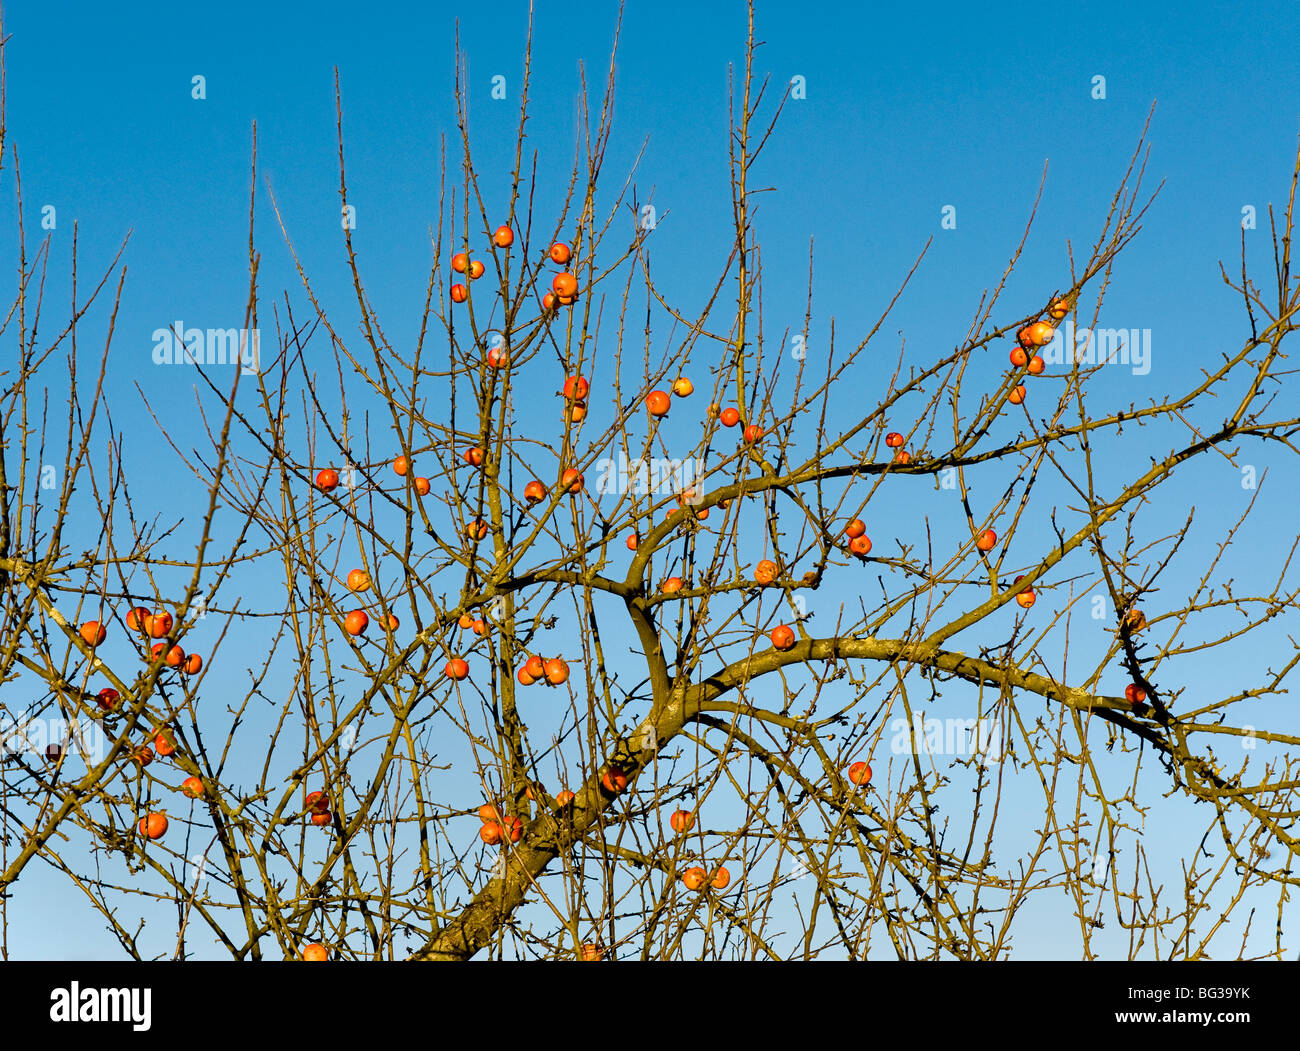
point(156, 625)
point(696, 876)
point(1031, 337)
point(358, 620)
point(461, 263)
point(318, 807)
point(554, 671)
point(497, 829)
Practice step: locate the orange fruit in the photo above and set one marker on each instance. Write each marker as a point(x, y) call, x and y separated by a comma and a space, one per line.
point(860, 773)
point(782, 637)
point(93, 633)
point(356, 622)
point(683, 387)
point(504, 237)
point(766, 571)
point(694, 878)
point(560, 253)
point(326, 480)
point(681, 820)
point(729, 417)
point(986, 539)
point(855, 528)
point(456, 668)
point(459, 293)
point(657, 403)
point(153, 825)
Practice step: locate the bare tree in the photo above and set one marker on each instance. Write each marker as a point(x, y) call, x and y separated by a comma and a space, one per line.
point(605, 696)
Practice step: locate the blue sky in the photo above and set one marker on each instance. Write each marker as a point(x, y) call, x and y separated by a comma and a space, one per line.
point(908, 111)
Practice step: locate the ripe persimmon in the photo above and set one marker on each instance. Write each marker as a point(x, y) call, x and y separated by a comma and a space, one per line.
point(193, 664)
point(475, 270)
point(560, 253)
point(459, 293)
point(143, 755)
point(460, 262)
point(497, 357)
point(860, 773)
point(986, 539)
point(1017, 396)
point(108, 699)
point(564, 285)
point(327, 479)
point(614, 780)
point(893, 439)
point(1134, 693)
point(315, 953)
point(322, 819)
point(192, 787)
point(490, 833)
point(657, 403)
point(504, 237)
point(564, 797)
point(683, 387)
point(729, 417)
point(1059, 308)
point(672, 585)
point(476, 530)
point(902, 456)
point(356, 622)
point(1019, 357)
point(512, 828)
point(572, 480)
point(473, 456)
point(752, 433)
point(681, 820)
point(721, 879)
point(535, 666)
point(456, 668)
point(855, 528)
point(694, 878)
point(632, 542)
point(576, 388)
point(358, 580)
point(524, 678)
point(577, 412)
point(318, 801)
point(860, 546)
point(137, 619)
point(535, 492)
point(765, 572)
point(400, 465)
point(163, 743)
point(591, 951)
point(1036, 366)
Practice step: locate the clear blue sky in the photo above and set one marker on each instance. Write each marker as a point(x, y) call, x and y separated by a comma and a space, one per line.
point(908, 110)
